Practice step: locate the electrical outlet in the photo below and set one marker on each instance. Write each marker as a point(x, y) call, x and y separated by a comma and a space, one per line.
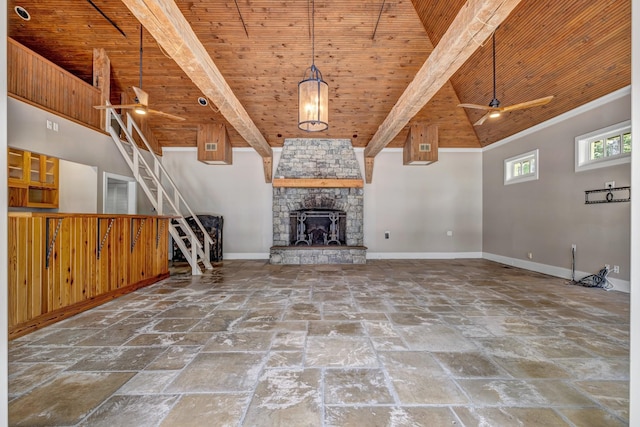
point(607, 266)
point(530, 255)
point(387, 235)
point(55, 126)
point(449, 233)
point(616, 269)
point(610, 184)
point(574, 247)
point(49, 124)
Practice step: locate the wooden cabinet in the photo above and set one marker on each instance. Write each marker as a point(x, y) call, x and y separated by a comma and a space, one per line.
point(33, 179)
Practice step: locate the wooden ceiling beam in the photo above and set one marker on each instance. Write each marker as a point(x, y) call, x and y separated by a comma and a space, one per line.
point(166, 23)
point(474, 23)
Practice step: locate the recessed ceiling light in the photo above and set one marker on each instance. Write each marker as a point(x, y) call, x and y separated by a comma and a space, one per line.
point(203, 101)
point(22, 13)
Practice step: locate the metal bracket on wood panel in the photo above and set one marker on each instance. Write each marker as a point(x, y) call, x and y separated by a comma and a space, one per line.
point(159, 229)
point(53, 240)
point(609, 196)
point(135, 240)
point(106, 234)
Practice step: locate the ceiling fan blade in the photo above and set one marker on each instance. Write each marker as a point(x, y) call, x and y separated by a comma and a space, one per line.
point(476, 106)
point(104, 107)
point(528, 104)
point(167, 115)
point(143, 97)
point(483, 119)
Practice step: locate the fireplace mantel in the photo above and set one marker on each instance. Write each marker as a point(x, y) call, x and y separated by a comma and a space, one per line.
point(318, 183)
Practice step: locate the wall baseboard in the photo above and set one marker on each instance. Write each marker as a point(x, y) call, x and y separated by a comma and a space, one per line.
point(551, 270)
point(245, 255)
point(423, 255)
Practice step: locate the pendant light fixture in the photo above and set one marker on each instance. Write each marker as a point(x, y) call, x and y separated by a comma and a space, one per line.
point(313, 92)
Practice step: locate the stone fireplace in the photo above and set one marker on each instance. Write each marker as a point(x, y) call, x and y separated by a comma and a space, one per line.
point(321, 220)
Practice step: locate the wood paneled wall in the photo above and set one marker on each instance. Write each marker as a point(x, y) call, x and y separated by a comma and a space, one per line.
point(34, 79)
point(92, 259)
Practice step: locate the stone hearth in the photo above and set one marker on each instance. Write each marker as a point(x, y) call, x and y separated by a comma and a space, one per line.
point(327, 159)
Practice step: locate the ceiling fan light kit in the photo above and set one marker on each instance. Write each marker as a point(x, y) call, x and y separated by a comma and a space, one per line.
point(313, 93)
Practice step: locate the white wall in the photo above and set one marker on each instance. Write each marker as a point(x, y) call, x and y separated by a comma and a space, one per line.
point(634, 398)
point(238, 192)
point(78, 184)
point(417, 204)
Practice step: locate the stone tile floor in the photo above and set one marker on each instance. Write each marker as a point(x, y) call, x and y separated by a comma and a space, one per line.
point(390, 343)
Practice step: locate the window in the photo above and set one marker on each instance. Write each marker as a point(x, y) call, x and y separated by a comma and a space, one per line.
point(604, 147)
point(521, 168)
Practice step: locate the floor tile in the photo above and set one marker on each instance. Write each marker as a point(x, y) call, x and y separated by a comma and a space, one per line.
point(65, 400)
point(219, 372)
point(286, 397)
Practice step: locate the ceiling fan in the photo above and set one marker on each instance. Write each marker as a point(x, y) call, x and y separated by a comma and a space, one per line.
point(141, 105)
point(494, 109)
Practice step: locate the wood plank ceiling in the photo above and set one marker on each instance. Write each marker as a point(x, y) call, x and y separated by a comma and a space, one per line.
point(576, 50)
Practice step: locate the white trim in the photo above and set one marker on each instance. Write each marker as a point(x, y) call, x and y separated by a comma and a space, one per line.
point(423, 255)
point(440, 150)
point(583, 142)
point(551, 270)
point(244, 255)
point(356, 149)
point(509, 163)
point(132, 191)
point(562, 117)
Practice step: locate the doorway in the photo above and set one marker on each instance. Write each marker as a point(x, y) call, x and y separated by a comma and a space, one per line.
point(119, 194)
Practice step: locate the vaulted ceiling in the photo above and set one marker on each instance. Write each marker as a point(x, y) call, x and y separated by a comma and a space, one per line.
point(368, 52)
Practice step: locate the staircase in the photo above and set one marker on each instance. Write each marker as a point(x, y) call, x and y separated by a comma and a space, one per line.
point(161, 192)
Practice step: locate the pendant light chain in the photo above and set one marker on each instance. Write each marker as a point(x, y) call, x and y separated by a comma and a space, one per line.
point(313, 32)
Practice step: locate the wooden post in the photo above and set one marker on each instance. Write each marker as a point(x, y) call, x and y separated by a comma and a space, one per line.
point(267, 162)
point(102, 79)
point(368, 169)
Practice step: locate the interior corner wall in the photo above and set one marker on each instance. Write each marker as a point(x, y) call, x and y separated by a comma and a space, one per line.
point(418, 205)
point(545, 217)
point(72, 142)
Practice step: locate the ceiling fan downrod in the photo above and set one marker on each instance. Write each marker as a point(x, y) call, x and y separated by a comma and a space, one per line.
point(494, 102)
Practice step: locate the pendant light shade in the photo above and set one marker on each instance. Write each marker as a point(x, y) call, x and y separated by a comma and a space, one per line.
point(313, 92)
point(313, 101)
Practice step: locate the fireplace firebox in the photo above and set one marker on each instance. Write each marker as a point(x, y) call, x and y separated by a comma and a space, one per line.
point(317, 227)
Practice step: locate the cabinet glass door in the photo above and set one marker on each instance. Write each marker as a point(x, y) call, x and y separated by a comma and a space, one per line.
point(49, 171)
point(16, 165)
point(34, 169)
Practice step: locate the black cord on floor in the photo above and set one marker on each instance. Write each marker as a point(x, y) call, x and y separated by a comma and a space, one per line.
point(598, 280)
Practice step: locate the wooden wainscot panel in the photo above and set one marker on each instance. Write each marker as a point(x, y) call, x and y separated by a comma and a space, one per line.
point(214, 146)
point(63, 264)
point(421, 146)
point(37, 81)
